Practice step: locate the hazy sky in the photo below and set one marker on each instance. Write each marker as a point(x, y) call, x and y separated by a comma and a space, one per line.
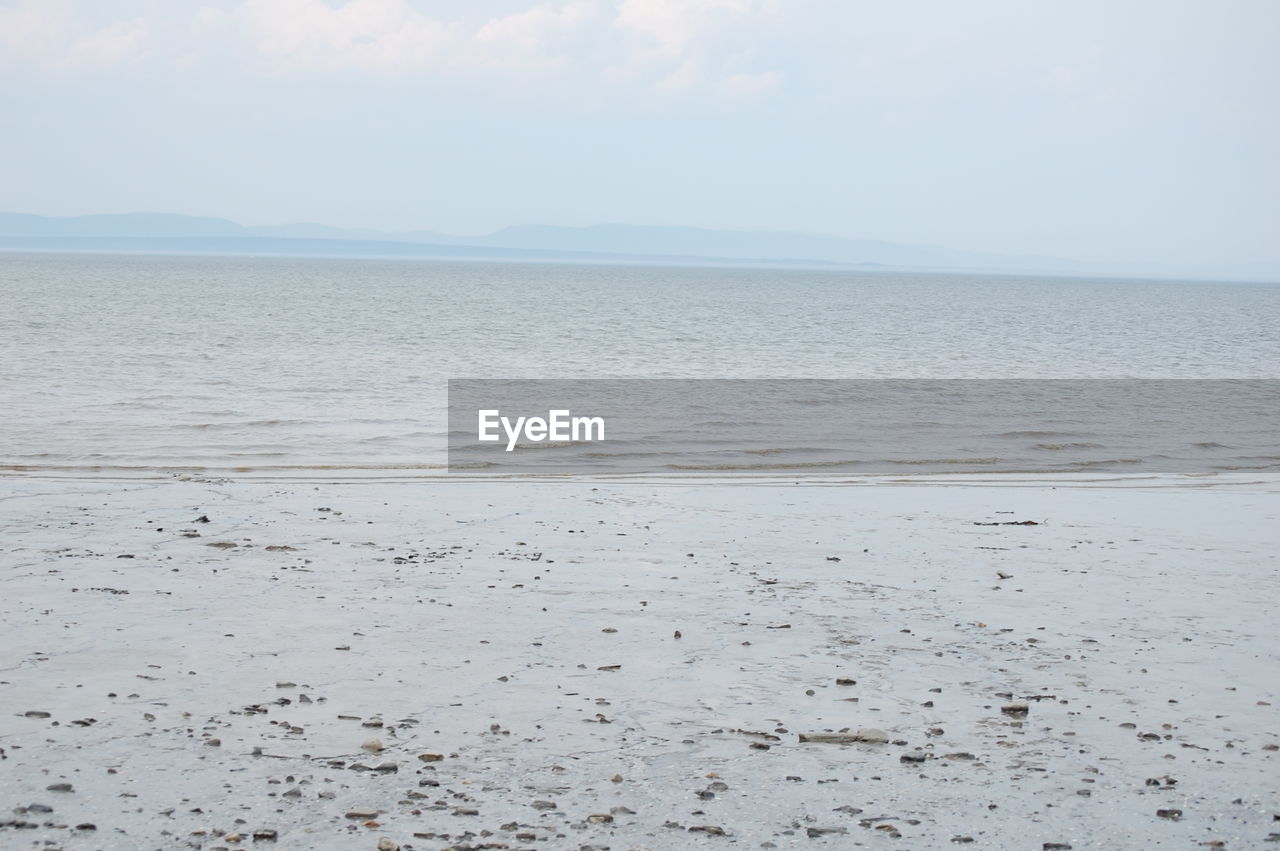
point(1106, 130)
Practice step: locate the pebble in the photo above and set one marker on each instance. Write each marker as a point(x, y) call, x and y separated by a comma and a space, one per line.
point(58, 787)
point(362, 814)
point(386, 844)
point(1016, 709)
point(371, 745)
point(868, 735)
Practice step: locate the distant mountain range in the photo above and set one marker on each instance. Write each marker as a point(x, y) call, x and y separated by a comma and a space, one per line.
point(169, 233)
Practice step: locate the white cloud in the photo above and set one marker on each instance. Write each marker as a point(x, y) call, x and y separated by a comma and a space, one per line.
point(108, 47)
point(537, 27)
point(668, 47)
point(672, 25)
point(46, 37)
point(362, 35)
point(692, 76)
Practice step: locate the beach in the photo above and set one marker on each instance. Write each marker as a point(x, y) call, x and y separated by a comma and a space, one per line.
point(639, 425)
point(218, 663)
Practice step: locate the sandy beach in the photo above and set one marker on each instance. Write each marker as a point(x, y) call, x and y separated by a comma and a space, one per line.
point(218, 664)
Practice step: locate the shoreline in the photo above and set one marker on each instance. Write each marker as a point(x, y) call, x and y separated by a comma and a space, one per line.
point(526, 636)
point(1268, 479)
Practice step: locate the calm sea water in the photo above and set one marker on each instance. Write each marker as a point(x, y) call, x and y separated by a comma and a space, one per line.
point(151, 365)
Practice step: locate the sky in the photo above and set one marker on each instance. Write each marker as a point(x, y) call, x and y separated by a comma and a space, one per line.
point(1097, 130)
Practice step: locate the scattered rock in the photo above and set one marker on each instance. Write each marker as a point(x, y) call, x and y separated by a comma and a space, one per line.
point(868, 735)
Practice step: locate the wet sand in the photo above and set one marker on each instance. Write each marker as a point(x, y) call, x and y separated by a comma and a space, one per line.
point(497, 665)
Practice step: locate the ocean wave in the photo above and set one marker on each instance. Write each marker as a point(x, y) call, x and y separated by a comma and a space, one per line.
point(798, 465)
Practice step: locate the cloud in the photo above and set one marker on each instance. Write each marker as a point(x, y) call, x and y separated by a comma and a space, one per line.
point(672, 25)
point(664, 47)
point(692, 76)
point(362, 35)
point(540, 26)
point(645, 41)
point(108, 47)
point(45, 37)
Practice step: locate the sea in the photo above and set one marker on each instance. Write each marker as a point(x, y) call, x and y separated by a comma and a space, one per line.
point(153, 366)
